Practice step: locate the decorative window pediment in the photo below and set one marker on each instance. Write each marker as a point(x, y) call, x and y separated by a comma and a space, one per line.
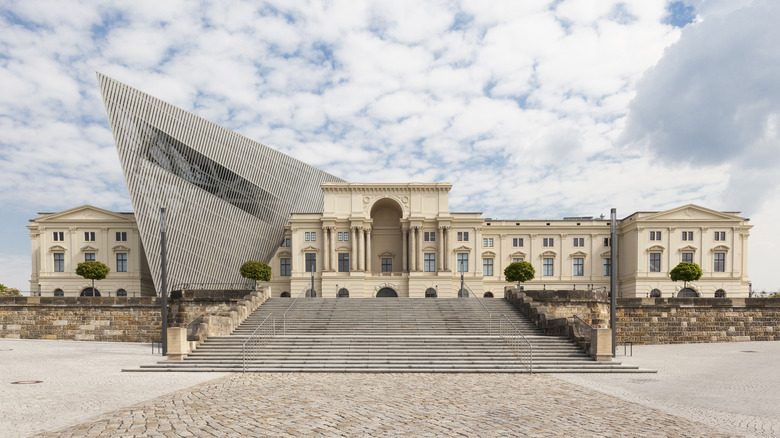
point(429, 248)
point(462, 248)
point(606, 254)
point(89, 248)
point(548, 254)
point(310, 248)
point(488, 254)
point(656, 248)
point(120, 248)
point(517, 255)
point(578, 254)
point(284, 254)
point(57, 248)
point(343, 248)
point(387, 254)
point(720, 248)
point(687, 248)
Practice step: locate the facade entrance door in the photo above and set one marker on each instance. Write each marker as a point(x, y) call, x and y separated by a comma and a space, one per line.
point(386, 292)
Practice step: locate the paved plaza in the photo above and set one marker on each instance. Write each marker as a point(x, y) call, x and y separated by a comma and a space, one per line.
point(700, 390)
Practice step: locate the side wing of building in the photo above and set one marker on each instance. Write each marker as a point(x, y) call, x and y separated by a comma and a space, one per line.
point(227, 197)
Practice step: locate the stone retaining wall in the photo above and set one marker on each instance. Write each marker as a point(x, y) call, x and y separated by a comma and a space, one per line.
point(693, 320)
point(80, 318)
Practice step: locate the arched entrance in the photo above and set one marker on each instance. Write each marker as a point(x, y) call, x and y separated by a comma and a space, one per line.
point(655, 293)
point(720, 293)
point(386, 244)
point(463, 293)
point(89, 292)
point(687, 293)
point(430, 293)
point(342, 293)
point(488, 294)
point(311, 293)
point(386, 292)
point(285, 295)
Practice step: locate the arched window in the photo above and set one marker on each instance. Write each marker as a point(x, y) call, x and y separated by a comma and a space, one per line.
point(342, 293)
point(285, 295)
point(59, 293)
point(89, 292)
point(386, 292)
point(121, 293)
point(488, 294)
point(430, 293)
point(687, 293)
point(720, 293)
point(655, 293)
point(463, 293)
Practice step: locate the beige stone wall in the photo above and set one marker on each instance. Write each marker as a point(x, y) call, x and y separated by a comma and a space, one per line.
point(80, 319)
point(689, 320)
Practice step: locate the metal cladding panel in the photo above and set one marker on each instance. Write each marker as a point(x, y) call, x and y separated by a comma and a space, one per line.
point(227, 197)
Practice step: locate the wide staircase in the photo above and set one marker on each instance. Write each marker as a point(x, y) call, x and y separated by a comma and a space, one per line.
point(460, 335)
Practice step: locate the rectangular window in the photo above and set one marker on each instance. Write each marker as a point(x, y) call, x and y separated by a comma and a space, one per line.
point(310, 236)
point(655, 262)
point(121, 262)
point(89, 236)
point(343, 262)
point(607, 266)
point(430, 236)
point(547, 266)
point(687, 236)
point(487, 267)
point(285, 266)
point(286, 242)
point(548, 242)
point(59, 262)
point(655, 235)
point(579, 242)
point(607, 242)
point(387, 264)
point(89, 256)
point(59, 236)
point(578, 270)
point(121, 236)
point(687, 257)
point(343, 236)
point(517, 241)
point(720, 236)
point(430, 262)
point(517, 259)
point(487, 242)
point(463, 262)
point(463, 236)
point(311, 262)
point(720, 262)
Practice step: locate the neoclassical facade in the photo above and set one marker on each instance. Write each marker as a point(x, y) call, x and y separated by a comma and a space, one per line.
point(401, 240)
point(60, 241)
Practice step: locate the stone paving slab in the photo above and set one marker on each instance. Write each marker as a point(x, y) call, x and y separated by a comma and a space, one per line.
point(734, 386)
point(385, 405)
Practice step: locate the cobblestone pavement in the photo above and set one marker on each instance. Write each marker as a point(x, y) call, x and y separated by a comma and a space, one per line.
point(387, 405)
point(734, 386)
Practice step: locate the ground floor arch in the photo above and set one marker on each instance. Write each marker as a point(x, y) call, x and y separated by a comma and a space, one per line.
point(90, 292)
point(687, 293)
point(387, 292)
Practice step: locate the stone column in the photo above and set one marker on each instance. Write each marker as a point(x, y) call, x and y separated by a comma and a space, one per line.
point(354, 255)
point(325, 250)
point(368, 250)
point(440, 256)
point(446, 248)
point(361, 251)
point(419, 258)
point(412, 249)
point(332, 241)
point(405, 252)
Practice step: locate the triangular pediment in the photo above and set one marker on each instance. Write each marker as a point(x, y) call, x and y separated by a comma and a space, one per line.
point(692, 213)
point(462, 248)
point(86, 213)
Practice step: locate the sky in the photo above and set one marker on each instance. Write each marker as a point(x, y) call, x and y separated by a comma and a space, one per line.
point(534, 109)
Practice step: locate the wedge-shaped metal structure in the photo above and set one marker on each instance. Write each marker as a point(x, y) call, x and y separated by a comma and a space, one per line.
point(227, 197)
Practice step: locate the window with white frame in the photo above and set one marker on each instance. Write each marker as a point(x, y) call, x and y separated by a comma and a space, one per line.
point(343, 236)
point(655, 262)
point(387, 264)
point(578, 268)
point(121, 236)
point(311, 262)
point(310, 236)
point(463, 262)
point(89, 236)
point(579, 242)
point(607, 266)
point(487, 267)
point(687, 236)
point(59, 262)
point(720, 236)
point(547, 267)
point(720, 262)
point(607, 242)
point(517, 242)
point(463, 236)
point(343, 262)
point(59, 236)
point(687, 257)
point(655, 235)
point(286, 242)
point(89, 256)
point(429, 236)
point(487, 242)
point(430, 262)
point(517, 259)
point(548, 242)
point(121, 262)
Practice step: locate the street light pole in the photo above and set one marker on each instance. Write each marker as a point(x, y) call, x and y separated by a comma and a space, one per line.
point(163, 285)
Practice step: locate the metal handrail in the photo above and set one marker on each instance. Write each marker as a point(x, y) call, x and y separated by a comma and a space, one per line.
point(255, 340)
point(193, 326)
point(509, 333)
point(579, 321)
point(490, 314)
point(284, 315)
point(230, 286)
